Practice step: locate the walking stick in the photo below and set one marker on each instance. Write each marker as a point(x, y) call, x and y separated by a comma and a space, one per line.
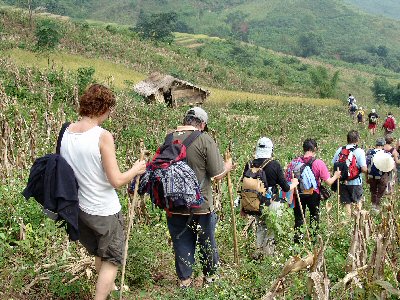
point(230, 190)
point(338, 198)
point(302, 212)
point(131, 213)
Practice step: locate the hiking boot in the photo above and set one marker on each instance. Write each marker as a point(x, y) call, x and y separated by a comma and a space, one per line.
point(186, 283)
point(210, 280)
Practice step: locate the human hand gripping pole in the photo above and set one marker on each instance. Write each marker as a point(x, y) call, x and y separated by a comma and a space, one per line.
point(131, 213)
point(228, 157)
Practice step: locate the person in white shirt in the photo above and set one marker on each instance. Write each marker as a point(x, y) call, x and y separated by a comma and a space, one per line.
point(90, 151)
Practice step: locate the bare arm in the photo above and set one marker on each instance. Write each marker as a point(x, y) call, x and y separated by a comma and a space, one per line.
point(396, 157)
point(332, 179)
point(364, 170)
point(229, 166)
point(110, 165)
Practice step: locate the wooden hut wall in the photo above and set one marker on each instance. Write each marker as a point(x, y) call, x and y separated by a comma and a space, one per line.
point(187, 92)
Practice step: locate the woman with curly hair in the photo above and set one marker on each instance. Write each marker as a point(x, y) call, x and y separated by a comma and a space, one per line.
point(90, 151)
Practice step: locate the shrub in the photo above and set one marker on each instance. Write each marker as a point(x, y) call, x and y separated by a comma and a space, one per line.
point(85, 77)
point(48, 34)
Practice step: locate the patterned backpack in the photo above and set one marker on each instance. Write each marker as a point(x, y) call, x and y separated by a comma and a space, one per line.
point(169, 180)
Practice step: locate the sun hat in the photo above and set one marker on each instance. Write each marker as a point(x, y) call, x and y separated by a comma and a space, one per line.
point(198, 113)
point(264, 148)
point(383, 161)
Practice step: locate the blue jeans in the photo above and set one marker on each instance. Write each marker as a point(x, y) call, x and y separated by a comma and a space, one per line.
point(201, 229)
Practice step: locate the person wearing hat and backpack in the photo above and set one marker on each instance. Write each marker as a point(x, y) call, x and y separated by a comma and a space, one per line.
point(372, 121)
point(189, 227)
point(351, 189)
point(309, 198)
point(267, 173)
point(380, 164)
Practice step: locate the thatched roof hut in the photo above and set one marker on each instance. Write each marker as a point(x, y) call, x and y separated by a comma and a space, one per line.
point(170, 90)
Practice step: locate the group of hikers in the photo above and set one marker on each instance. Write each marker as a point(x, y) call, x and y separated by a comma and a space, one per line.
point(358, 115)
point(179, 179)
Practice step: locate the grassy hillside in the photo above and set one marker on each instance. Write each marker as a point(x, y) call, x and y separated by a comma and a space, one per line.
point(119, 57)
point(330, 27)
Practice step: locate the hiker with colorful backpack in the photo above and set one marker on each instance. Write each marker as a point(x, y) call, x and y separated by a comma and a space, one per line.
point(311, 172)
point(259, 190)
point(90, 151)
point(360, 115)
point(380, 164)
point(351, 161)
point(179, 180)
point(372, 121)
point(389, 125)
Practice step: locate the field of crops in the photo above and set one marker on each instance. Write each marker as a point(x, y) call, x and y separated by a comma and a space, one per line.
point(38, 261)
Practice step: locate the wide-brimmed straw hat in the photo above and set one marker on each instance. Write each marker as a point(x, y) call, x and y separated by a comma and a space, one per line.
point(384, 162)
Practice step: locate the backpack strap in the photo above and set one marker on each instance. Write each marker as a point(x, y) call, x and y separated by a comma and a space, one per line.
point(60, 136)
point(168, 139)
point(190, 139)
point(266, 162)
point(309, 164)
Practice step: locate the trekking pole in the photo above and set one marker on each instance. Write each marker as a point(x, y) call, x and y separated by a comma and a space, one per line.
point(131, 213)
point(338, 198)
point(230, 190)
point(302, 212)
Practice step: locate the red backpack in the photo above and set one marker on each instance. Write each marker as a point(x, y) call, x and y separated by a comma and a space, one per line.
point(347, 164)
point(168, 179)
point(389, 124)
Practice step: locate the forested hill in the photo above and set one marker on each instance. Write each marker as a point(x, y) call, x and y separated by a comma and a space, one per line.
point(387, 8)
point(327, 28)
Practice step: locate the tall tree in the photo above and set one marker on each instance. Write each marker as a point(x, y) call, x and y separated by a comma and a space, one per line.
point(310, 43)
point(157, 27)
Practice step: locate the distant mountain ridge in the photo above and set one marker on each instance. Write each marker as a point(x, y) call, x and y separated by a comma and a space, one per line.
point(387, 8)
point(327, 28)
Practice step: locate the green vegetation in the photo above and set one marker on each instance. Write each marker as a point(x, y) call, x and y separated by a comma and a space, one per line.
point(334, 29)
point(48, 34)
point(157, 27)
point(39, 93)
point(384, 91)
point(37, 260)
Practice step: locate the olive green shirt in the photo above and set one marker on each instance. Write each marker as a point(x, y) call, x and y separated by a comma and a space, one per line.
point(206, 161)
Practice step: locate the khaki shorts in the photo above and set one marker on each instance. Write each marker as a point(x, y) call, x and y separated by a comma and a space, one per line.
point(103, 236)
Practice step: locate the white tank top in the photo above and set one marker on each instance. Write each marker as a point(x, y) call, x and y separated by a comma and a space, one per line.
point(81, 150)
